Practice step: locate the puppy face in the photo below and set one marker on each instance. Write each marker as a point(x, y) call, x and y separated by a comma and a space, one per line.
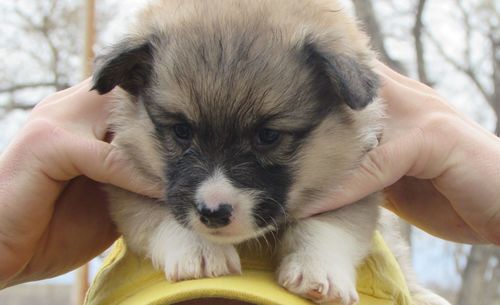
point(242, 119)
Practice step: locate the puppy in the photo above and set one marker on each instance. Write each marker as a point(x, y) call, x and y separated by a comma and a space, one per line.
point(246, 112)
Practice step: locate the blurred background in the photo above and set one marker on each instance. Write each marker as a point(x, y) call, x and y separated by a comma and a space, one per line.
point(451, 45)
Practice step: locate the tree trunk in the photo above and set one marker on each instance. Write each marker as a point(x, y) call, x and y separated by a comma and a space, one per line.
point(419, 44)
point(81, 285)
point(492, 289)
point(495, 49)
point(82, 275)
point(90, 33)
point(366, 14)
point(472, 291)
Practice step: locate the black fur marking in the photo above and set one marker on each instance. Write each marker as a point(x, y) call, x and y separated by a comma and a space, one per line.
point(342, 77)
point(184, 175)
point(274, 182)
point(128, 66)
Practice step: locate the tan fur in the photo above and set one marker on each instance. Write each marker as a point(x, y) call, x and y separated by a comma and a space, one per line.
point(130, 123)
point(291, 19)
point(335, 149)
point(294, 17)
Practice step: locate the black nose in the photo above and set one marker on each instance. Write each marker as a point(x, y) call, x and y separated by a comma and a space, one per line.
point(217, 218)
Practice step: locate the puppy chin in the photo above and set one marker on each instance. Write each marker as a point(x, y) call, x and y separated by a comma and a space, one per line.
point(236, 232)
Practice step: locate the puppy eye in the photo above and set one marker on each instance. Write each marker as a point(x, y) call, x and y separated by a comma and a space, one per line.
point(182, 131)
point(266, 137)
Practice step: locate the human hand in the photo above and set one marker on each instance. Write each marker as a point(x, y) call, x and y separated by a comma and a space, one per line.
point(439, 170)
point(53, 215)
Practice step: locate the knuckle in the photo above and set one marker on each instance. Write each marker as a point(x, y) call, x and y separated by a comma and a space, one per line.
point(41, 130)
point(112, 160)
point(440, 134)
point(41, 142)
point(441, 124)
point(41, 107)
point(374, 163)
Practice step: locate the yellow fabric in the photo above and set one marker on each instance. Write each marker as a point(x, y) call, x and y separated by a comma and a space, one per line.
point(126, 279)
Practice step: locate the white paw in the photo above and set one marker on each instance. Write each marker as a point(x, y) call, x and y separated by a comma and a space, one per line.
point(324, 282)
point(199, 261)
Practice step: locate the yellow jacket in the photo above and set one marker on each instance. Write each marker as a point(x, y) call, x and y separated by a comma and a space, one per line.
point(127, 279)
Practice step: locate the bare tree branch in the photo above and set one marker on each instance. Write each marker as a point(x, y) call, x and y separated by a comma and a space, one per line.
point(457, 255)
point(13, 106)
point(45, 29)
point(467, 70)
point(27, 20)
point(18, 87)
point(468, 32)
point(419, 44)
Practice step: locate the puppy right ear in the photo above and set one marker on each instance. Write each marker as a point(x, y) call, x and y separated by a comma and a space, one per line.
point(343, 77)
point(128, 65)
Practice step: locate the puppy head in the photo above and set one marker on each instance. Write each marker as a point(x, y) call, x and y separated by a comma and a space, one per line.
point(242, 119)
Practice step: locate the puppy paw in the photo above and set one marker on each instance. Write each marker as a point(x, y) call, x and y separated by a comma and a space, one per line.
point(205, 260)
point(317, 280)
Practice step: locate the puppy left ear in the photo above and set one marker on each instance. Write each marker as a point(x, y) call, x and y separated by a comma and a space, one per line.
point(349, 80)
point(128, 65)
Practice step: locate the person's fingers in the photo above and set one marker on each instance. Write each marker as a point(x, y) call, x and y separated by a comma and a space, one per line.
point(68, 156)
point(105, 163)
point(54, 97)
point(406, 98)
point(74, 125)
point(387, 72)
point(82, 111)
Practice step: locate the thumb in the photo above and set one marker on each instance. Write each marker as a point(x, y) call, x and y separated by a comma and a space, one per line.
point(105, 163)
point(380, 168)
